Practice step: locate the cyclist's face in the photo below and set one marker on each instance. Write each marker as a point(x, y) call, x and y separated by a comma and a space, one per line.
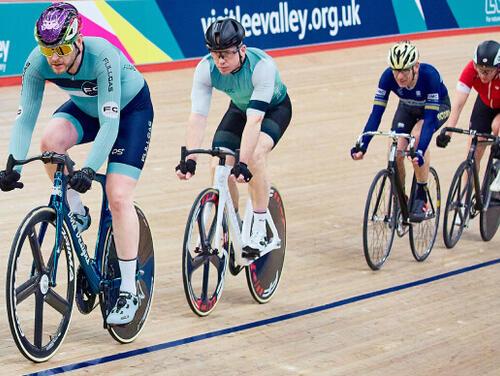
point(60, 64)
point(486, 74)
point(404, 77)
point(228, 60)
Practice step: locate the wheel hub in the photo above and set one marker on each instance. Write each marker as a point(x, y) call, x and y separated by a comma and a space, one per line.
point(44, 284)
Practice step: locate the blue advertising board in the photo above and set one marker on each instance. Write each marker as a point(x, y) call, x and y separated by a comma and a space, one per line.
point(160, 31)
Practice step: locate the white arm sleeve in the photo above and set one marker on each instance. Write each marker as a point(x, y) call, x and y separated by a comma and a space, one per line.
point(263, 80)
point(201, 93)
point(463, 87)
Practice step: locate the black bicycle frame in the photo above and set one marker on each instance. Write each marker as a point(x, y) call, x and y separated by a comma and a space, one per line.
point(471, 160)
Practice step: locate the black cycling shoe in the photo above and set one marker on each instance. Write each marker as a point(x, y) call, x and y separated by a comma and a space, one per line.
point(418, 211)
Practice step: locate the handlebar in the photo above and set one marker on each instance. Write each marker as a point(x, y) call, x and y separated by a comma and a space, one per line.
point(472, 133)
point(395, 136)
point(220, 153)
point(62, 160)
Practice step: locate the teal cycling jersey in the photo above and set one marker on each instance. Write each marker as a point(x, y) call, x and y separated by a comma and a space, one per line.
point(254, 88)
point(104, 83)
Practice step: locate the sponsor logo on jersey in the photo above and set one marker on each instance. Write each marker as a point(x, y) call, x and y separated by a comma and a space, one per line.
point(433, 96)
point(380, 92)
point(89, 88)
point(401, 125)
point(418, 93)
point(443, 115)
point(107, 64)
point(19, 111)
point(111, 110)
point(118, 151)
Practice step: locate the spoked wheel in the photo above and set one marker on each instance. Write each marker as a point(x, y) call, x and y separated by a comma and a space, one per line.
point(145, 281)
point(38, 309)
point(423, 234)
point(203, 265)
point(379, 222)
point(490, 217)
point(457, 210)
point(264, 274)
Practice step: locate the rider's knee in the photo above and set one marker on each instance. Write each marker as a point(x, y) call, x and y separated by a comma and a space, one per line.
point(119, 199)
point(58, 136)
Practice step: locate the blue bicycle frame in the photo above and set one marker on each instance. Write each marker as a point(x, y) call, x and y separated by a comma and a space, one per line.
point(91, 266)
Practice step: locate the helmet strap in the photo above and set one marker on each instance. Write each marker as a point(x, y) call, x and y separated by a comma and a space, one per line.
point(242, 61)
point(413, 74)
point(78, 51)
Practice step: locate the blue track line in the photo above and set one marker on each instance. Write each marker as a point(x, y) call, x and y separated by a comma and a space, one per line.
point(255, 324)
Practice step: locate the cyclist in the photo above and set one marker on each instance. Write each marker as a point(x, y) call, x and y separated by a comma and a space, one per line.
point(423, 107)
point(109, 104)
point(258, 114)
point(482, 74)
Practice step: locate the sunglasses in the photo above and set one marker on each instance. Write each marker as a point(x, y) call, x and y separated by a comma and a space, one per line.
point(485, 71)
point(226, 54)
point(405, 72)
point(62, 50)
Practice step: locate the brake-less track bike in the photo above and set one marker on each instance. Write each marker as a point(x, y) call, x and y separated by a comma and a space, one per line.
point(215, 237)
point(387, 208)
point(467, 197)
point(42, 281)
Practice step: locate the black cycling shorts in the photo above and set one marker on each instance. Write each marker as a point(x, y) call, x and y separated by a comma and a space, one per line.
point(482, 116)
point(406, 116)
point(230, 129)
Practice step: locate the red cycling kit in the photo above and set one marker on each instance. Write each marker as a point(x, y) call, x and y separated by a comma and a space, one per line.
point(487, 104)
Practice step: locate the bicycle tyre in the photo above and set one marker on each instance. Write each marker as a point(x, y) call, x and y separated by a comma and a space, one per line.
point(204, 269)
point(376, 257)
point(489, 219)
point(264, 274)
point(423, 235)
point(457, 205)
point(33, 336)
point(145, 282)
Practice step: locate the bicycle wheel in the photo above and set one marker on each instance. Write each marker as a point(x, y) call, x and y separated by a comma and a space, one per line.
point(264, 274)
point(489, 218)
point(423, 235)
point(39, 311)
point(379, 222)
point(457, 210)
point(145, 281)
point(203, 266)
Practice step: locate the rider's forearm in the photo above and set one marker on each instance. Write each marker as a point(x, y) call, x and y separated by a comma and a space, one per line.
point(456, 108)
point(373, 123)
point(102, 145)
point(250, 137)
point(195, 132)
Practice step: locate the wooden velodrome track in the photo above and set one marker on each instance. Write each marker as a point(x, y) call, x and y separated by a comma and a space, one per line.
point(447, 325)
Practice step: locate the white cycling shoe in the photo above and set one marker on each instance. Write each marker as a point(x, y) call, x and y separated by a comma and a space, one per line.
point(124, 310)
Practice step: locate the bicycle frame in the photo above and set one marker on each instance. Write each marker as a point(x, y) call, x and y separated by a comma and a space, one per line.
point(392, 166)
point(471, 160)
point(91, 266)
point(239, 237)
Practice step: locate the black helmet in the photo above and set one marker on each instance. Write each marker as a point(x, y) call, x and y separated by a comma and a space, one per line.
point(223, 34)
point(487, 54)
